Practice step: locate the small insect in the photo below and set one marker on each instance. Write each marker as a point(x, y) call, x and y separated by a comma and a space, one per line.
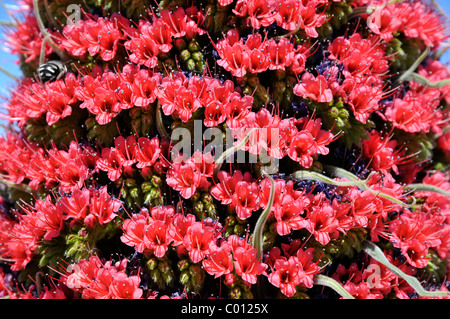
point(51, 71)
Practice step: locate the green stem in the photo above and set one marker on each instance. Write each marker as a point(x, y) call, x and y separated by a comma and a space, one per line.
point(423, 80)
point(428, 188)
point(333, 284)
point(159, 123)
point(342, 173)
point(232, 150)
point(370, 9)
point(8, 24)
point(307, 175)
point(414, 66)
point(12, 76)
point(45, 32)
point(376, 253)
point(257, 236)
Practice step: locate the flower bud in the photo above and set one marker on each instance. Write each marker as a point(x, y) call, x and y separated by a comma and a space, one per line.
point(183, 264)
point(235, 292)
point(152, 263)
point(185, 55)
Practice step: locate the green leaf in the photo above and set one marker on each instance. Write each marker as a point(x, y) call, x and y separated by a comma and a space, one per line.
point(376, 253)
point(333, 284)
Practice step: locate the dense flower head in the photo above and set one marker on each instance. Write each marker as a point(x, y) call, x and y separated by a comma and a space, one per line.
point(240, 149)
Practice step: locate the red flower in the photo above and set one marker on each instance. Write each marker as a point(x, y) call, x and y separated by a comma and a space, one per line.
point(415, 112)
point(288, 216)
point(246, 264)
point(302, 147)
point(288, 14)
point(144, 88)
point(124, 287)
point(382, 152)
point(157, 237)
point(321, 222)
point(179, 227)
point(245, 199)
point(144, 50)
point(103, 105)
point(49, 218)
point(307, 267)
point(315, 88)
point(261, 12)
point(135, 230)
point(147, 151)
point(198, 241)
point(281, 54)
point(112, 162)
point(185, 178)
point(309, 19)
point(224, 190)
point(186, 103)
point(384, 22)
point(363, 101)
point(102, 207)
point(286, 275)
point(180, 24)
point(219, 262)
point(364, 205)
point(234, 58)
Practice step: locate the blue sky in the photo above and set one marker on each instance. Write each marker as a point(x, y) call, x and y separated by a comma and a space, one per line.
point(7, 61)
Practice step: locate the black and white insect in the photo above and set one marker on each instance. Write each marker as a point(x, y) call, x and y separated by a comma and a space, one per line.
point(51, 71)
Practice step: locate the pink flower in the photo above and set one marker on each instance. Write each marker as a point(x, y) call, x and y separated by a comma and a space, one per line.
point(287, 214)
point(134, 230)
point(157, 237)
point(185, 178)
point(102, 207)
point(147, 151)
point(322, 222)
point(245, 199)
point(302, 147)
point(198, 241)
point(124, 287)
point(179, 227)
point(224, 190)
point(281, 54)
point(246, 264)
point(286, 275)
point(315, 88)
point(219, 261)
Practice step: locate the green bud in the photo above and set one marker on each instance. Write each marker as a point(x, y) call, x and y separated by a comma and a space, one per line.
point(193, 46)
point(197, 277)
point(157, 278)
point(156, 181)
point(185, 55)
point(239, 229)
point(134, 193)
point(198, 208)
point(235, 292)
point(185, 277)
point(199, 66)
point(146, 187)
point(197, 56)
point(152, 263)
point(190, 65)
point(183, 264)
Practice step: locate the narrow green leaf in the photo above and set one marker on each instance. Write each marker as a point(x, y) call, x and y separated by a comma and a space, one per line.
point(257, 236)
point(376, 253)
point(333, 284)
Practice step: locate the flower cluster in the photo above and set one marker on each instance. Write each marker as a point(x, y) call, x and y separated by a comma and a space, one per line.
point(228, 149)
